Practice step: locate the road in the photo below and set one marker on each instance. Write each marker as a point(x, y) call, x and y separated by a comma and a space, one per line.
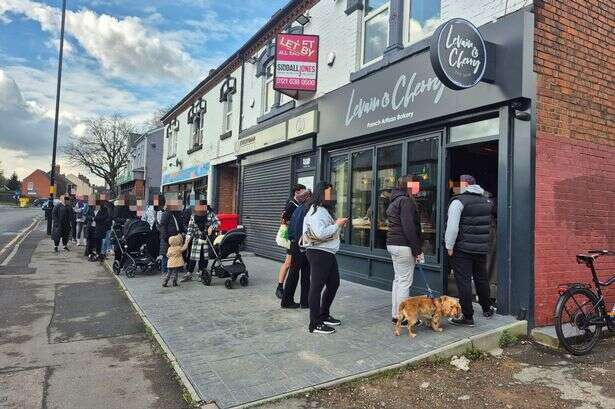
point(69, 338)
point(12, 221)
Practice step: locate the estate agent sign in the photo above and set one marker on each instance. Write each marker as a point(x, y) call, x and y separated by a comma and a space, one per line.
point(296, 64)
point(458, 54)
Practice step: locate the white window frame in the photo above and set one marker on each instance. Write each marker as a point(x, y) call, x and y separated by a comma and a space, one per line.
point(227, 121)
point(173, 142)
point(407, 41)
point(196, 129)
point(30, 186)
point(266, 81)
point(366, 17)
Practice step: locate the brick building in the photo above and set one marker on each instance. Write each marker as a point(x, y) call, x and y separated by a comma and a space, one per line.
point(536, 129)
point(575, 141)
point(36, 184)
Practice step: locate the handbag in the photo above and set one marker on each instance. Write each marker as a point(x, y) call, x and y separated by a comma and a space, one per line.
point(308, 239)
point(281, 238)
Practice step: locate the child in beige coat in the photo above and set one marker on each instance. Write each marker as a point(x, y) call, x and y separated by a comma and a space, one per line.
point(175, 263)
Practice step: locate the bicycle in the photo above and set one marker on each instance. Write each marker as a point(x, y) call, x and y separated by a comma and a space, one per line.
point(581, 312)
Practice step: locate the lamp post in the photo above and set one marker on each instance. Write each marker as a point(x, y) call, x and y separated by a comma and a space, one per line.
point(52, 175)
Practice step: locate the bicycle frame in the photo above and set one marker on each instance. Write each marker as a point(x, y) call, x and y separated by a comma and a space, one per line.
point(589, 261)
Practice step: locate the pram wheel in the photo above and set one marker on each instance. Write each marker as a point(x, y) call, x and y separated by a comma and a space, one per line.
point(206, 278)
point(116, 267)
point(243, 280)
point(228, 283)
point(130, 271)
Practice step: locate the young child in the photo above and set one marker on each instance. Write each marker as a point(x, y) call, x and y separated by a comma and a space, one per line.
point(175, 263)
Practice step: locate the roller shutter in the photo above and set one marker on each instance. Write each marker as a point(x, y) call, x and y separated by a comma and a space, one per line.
point(265, 189)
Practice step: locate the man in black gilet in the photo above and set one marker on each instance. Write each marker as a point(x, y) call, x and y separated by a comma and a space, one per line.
point(467, 241)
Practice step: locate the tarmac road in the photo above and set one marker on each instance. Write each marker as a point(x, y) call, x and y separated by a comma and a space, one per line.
point(12, 221)
point(69, 338)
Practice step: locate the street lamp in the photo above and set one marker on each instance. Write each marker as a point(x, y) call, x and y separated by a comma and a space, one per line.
point(52, 175)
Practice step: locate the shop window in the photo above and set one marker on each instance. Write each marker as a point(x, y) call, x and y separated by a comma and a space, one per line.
point(375, 29)
point(228, 113)
point(339, 181)
point(268, 91)
point(361, 198)
point(475, 130)
point(389, 170)
point(421, 19)
point(423, 165)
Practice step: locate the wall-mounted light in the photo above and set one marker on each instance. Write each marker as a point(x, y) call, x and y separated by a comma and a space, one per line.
point(520, 107)
point(331, 59)
point(177, 164)
point(303, 19)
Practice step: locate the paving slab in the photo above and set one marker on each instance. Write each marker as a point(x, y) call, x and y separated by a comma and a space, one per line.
point(238, 347)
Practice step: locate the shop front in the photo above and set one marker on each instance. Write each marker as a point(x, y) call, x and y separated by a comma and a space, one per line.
point(274, 158)
point(404, 120)
point(190, 182)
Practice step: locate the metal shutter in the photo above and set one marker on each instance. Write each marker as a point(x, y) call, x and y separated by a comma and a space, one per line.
point(265, 190)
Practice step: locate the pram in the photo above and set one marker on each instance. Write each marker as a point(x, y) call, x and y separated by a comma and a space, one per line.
point(133, 243)
point(227, 262)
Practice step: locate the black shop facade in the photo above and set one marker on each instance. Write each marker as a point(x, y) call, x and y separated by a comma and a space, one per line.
point(433, 114)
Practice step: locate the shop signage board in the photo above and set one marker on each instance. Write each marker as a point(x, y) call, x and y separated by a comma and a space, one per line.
point(267, 137)
point(458, 54)
point(188, 173)
point(296, 64)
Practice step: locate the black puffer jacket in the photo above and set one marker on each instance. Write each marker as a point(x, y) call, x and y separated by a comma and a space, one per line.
point(404, 222)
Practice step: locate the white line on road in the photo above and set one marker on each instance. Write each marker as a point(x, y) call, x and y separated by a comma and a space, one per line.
point(21, 237)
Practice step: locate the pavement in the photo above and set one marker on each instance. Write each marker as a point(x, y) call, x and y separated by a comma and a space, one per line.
point(69, 338)
point(238, 347)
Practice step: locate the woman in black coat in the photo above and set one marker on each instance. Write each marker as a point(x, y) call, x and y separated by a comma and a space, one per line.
point(102, 224)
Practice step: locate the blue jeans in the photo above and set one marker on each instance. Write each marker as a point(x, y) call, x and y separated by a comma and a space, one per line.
point(106, 242)
point(163, 265)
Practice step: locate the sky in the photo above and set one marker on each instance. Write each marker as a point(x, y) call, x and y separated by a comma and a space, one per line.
point(130, 57)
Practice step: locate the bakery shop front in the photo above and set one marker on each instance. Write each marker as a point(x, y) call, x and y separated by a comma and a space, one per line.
point(456, 103)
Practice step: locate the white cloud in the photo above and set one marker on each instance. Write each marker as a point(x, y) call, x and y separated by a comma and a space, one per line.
point(124, 47)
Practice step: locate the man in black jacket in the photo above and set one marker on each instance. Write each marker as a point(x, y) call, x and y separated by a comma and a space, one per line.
point(61, 216)
point(403, 240)
point(467, 238)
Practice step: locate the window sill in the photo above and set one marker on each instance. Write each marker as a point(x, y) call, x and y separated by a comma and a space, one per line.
point(275, 111)
point(390, 57)
point(171, 156)
point(226, 135)
point(195, 148)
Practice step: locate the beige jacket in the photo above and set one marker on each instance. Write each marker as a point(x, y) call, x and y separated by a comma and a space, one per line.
point(174, 253)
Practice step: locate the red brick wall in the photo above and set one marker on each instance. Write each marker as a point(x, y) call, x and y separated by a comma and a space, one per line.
point(40, 181)
point(575, 142)
point(227, 184)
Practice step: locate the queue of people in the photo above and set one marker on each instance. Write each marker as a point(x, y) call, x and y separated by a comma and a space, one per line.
point(314, 240)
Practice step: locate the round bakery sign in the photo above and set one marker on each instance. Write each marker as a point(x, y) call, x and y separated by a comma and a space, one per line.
point(458, 54)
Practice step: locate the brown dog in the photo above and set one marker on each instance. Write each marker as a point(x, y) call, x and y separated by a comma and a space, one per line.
point(424, 307)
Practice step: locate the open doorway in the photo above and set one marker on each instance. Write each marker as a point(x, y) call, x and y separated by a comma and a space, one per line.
point(481, 161)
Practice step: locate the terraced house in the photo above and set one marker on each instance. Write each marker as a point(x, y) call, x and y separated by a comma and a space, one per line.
point(360, 92)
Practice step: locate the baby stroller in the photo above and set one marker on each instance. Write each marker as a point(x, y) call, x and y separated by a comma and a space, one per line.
point(133, 246)
point(227, 262)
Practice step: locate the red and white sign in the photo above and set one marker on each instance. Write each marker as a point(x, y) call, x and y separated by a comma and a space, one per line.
point(296, 63)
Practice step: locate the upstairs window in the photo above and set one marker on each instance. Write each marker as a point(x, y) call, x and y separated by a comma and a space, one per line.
point(422, 19)
point(268, 91)
point(172, 132)
point(228, 113)
point(196, 117)
point(375, 29)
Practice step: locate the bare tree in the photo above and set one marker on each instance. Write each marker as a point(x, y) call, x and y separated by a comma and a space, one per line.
point(103, 149)
point(154, 121)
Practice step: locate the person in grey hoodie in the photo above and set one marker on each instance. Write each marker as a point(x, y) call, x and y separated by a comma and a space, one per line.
point(467, 239)
point(403, 240)
point(321, 238)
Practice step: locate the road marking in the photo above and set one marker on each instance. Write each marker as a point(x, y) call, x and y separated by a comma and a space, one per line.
point(20, 238)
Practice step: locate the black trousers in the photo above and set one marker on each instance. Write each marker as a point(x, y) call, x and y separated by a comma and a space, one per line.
point(324, 273)
point(467, 267)
point(64, 238)
point(299, 264)
point(203, 262)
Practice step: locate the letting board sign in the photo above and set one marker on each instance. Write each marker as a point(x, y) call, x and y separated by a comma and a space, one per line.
point(296, 64)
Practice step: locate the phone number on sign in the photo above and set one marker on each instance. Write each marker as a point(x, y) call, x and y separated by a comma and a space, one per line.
point(295, 82)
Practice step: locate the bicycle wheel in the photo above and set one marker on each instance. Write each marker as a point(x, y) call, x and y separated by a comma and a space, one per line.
point(576, 314)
